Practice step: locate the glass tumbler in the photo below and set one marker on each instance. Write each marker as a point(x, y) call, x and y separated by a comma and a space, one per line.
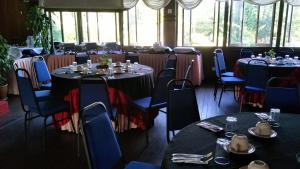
point(274, 119)
point(221, 155)
point(231, 126)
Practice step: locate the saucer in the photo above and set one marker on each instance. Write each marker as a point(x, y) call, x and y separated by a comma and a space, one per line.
point(252, 132)
point(251, 150)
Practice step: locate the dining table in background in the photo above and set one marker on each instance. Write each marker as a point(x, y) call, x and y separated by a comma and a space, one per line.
point(122, 89)
point(279, 152)
point(290, 70)
point(156, 61)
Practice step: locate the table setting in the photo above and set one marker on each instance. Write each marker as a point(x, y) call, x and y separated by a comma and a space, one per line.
point(259, 141)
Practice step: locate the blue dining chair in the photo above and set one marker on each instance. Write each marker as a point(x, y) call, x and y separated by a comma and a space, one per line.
point(101, 145)
point(43, 108)
point(224, 81)
point(182, 107)
point(81, 57)
point(172, 61)
point(282, 51)
point(158, 98)
point(42, 73)
point(222, 65)
point(246, 53)
point(285, 98)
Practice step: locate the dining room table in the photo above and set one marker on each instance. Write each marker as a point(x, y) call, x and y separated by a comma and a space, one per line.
point(287, 67)
point(278, 152)
point(123, 87)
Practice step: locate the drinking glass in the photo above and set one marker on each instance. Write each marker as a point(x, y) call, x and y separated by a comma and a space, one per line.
point(274, 119)
point(221, 155)
point(74, 64)
point(89, 63)
point(298, 157)
point(231, 126)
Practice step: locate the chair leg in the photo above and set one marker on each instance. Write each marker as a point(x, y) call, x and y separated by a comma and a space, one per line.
point(78, 141)
point(168, 136)
point(26, 128)
point(223, 87)
point(216, 90)
point(45, 134)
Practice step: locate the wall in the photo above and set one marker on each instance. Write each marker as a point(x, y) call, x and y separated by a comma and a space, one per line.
point(12, 21)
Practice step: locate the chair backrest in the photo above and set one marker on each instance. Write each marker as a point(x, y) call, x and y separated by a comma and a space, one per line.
point(68, 47)
point(285, 98)
point(101, 145)
point(221, 62)
point(246, 53)
point(27, 96)
point(182, 108)
point(41, 70)
point(172, 61)
point(94, 90)
point(133, 57)
point(91, 46)
point(160, 91)
point(217, 67)
point(257, 73)
point(188, 72)
point(285, 51)
point(82, 57)
point(218, 50)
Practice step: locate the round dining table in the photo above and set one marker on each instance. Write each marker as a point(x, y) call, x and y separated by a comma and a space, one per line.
point(279, 152)
point(123, 86)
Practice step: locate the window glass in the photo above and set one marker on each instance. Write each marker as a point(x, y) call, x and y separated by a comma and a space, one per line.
point(186, 28)
point(56, 26)
point(125, 28)
point(84, 26)
point(92, 26)
point(295, 28)
point(265, 24)
point(236, 24)
point(107, 27)
point(220, 29)
point(70, 26)
point(202, 24)
point(132, 27)
point(179, 26)
point(249, 24)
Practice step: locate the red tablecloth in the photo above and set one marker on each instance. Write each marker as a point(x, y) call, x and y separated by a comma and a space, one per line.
point(3, 107)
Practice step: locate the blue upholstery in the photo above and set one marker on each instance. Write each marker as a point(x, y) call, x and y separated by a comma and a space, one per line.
point(182, 108)
point(232, 80)
point(41, 70)
point(227, 74)
point(285, 98)
point(95, 90)
point(141, 165)
point(256, 75)
point(47, 108)
point(159, 95)
point(47, 86)
point(103, 149)
point(43, 95)
point(220, 67)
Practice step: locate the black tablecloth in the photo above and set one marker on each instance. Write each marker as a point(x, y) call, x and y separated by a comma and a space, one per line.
point(279, 152)
point(274, 70)
point(136, 85)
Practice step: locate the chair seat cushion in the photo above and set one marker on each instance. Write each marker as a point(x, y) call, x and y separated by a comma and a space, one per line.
point(228, 74)
point(52, 107)
point(47, 86)
point(232, 80)
point(43, 95)
point(143, 104)
point(141, 165)
point(253, 89)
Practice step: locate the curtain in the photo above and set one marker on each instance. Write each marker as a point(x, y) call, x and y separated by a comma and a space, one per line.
point(262, 2)
point(189, 4)
point(129, 3)
point(156, 4)
point(294, 2)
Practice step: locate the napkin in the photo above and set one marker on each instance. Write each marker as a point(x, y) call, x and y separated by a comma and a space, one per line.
point(262, 116)
point(210, 126)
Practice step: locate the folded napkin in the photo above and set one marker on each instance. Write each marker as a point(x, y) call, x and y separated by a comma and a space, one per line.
point(262, 116)
point(191, 158)
point(210, 126)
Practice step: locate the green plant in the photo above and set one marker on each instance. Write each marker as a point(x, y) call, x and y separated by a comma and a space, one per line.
point(103, 59)
point(39, 24)
point(5, 61)
point(270, 53)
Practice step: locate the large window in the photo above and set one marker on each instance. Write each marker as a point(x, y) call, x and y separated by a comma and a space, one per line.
point(142, 25)
point(64, 26)
point(100, 27)
point(252, 25)
point(292, 26)
point(201, 26)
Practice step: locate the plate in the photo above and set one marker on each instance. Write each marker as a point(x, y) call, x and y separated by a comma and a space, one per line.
point(252, 132)
point(119, 72)
point(244, 167)
point(250, 150)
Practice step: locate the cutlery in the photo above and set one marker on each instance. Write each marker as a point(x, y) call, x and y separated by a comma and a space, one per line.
point(192, 160)
point(183, 155)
